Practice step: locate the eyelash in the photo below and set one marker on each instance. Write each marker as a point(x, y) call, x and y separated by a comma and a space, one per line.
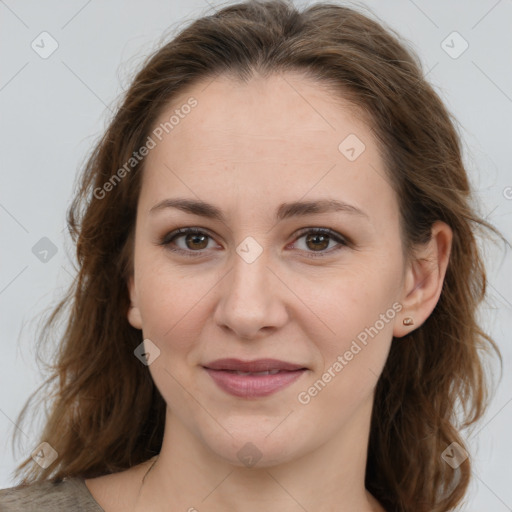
point(171, 237)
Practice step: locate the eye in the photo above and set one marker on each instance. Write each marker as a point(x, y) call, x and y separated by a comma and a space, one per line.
point(317, 240)
point(195, 241)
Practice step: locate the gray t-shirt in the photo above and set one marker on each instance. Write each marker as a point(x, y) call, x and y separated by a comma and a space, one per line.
point(71, 494)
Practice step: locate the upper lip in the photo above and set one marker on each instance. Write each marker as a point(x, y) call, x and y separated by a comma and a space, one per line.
point(258, 365)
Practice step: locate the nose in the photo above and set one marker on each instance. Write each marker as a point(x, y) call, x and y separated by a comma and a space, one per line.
point(252, 299)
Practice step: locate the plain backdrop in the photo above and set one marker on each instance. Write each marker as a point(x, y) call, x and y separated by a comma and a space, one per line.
point(53, 107)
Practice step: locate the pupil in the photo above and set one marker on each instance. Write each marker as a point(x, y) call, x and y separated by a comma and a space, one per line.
point(319, 236)
point(194, 237)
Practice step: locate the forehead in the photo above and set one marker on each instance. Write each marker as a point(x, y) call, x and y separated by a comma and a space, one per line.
point(265, 116)
point(281, 135)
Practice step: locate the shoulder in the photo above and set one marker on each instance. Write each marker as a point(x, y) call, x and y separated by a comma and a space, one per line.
point(46, 496)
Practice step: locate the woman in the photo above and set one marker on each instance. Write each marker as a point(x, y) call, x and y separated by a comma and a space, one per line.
point(278, 283)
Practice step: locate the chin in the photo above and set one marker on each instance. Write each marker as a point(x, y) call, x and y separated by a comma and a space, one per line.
point(253, 447)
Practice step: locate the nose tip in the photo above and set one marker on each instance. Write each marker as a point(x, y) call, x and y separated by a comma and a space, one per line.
point(250, 305)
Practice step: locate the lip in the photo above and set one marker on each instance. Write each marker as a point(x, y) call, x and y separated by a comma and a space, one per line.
point(222, 372)
point(258, 365)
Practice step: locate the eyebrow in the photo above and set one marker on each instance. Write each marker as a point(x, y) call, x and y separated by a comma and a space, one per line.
point(285, 210)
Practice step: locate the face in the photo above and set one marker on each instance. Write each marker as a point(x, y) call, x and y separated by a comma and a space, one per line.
point(266, 278)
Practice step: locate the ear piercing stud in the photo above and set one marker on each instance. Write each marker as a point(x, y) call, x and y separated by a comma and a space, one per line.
point(408, 321)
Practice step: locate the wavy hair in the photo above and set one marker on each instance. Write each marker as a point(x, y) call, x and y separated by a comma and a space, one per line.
point(105, 413)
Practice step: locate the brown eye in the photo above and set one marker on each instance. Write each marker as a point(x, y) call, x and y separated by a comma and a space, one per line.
point(317, 241)
point(320, 242)
point(194, 241)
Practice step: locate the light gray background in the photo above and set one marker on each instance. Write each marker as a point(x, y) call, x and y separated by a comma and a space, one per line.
point(53, 110)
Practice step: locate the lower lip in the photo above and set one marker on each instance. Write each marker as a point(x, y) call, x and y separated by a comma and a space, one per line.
point(253, 386)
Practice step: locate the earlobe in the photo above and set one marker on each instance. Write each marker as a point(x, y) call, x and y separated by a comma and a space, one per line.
point(424, 280)
point(134, 316)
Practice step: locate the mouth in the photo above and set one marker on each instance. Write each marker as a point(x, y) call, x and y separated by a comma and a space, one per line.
point(253, 379)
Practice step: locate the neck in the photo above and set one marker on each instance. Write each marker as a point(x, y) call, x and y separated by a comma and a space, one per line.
point(189, 476)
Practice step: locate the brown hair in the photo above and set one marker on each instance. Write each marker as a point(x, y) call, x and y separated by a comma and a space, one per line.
point(107, 415)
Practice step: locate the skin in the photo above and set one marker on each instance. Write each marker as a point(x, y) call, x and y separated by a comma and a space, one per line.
point(247, 148)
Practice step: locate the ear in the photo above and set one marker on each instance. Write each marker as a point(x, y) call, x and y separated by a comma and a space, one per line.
point(134, 316)
point(424, 279)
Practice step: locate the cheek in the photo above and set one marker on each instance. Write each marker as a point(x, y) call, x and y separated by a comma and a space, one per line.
point(352, 299)
point(351, 359)
point(358, 309)
point(170, 308)
point(171, 302)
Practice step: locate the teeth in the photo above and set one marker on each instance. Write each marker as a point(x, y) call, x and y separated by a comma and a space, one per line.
point(268, 372)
